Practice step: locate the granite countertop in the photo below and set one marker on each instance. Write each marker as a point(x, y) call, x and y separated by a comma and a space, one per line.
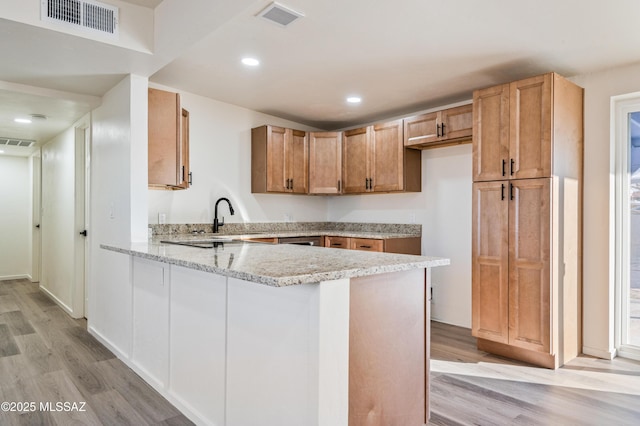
point(301, 233)
point(276, 265)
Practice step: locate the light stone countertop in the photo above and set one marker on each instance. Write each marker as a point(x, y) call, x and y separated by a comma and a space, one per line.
point(277, 265)
point(288, 234)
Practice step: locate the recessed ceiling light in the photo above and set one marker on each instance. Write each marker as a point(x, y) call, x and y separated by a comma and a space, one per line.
point(252, 62)
point(354, 99)
point(22, 120)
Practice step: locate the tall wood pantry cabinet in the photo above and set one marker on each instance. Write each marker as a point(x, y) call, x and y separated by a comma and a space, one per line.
point(168, 147)
point(527, 219)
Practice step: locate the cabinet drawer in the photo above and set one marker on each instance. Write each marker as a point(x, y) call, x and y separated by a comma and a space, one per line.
point(367, 244)
point(337, 242)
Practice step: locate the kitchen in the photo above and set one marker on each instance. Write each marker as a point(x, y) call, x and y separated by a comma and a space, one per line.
point(446, 178)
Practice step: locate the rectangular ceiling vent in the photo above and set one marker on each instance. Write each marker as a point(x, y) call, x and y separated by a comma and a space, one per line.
point(23, 143)
point(87, 14)
point(280, 14)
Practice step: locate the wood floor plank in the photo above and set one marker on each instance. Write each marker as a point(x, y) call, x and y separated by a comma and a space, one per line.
point(89, 345)
point(82, 371)
point(17, 323)
point(37, 356)
point(7, 303)
point(8, 346)
point(147, 402)
point(113, 410)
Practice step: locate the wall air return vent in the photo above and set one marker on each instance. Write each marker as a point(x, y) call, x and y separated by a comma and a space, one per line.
point(22, 143)
point(279, 14)
point(87, 14)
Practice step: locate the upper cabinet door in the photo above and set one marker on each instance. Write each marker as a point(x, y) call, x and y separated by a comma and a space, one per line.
point(491, 133)
point(168, 141)
point(457, 123)
point(531, 127)
point(422, 129)
point(387, 148)
point(325, 163)
point(276, 159)
point(355, 160)
point(298, 167)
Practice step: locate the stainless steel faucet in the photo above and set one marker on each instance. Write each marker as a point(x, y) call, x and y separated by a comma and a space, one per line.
point(216, 224)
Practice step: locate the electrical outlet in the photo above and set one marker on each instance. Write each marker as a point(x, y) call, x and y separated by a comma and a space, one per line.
point(162, 218)
point(412, 218)
point(288, 217)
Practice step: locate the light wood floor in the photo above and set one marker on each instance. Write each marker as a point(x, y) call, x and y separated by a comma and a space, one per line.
point(45, 356)
point(469, 387)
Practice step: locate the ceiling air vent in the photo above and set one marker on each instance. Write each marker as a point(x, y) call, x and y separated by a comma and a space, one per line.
point(279, 14)
point(87, 14)
point(23, 143)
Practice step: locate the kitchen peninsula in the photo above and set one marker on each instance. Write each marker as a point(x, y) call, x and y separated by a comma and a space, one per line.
point(248, 333)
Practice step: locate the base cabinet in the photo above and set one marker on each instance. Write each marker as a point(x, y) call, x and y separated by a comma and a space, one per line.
point(197, 351)
point(151, 320)
point(410, 245)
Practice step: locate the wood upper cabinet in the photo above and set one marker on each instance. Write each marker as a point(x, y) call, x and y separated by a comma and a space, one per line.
point(439, 128)
point(515, 126)
point(279, 160)
point(168, 143)
point(356, 160)
point(325, 163)
point(375, 160)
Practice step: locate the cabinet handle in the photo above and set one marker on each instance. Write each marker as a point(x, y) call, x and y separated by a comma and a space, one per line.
point(371, 184)
point(366, 183)
point(502, 191)
point(291, 187)
point(367, 247)
point(512, 163)
point(190, 178)
point(504, 165)
point(182, 177)
point(336, 244)
point(511, 191)
point(437, 130)
point(442, 129)
point(339, 184)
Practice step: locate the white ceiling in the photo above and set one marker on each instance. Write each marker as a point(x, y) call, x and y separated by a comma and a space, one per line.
point(401, 56)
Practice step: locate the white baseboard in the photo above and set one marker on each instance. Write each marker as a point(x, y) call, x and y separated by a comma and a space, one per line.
point(599, 353)
point(59, 302)
point(109, 345)
point(14, 277)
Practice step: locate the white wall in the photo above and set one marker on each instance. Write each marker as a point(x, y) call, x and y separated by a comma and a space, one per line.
point(599, 194)
point(220, 160)
point(444, 210)
point(15, 212)
point(118, 202)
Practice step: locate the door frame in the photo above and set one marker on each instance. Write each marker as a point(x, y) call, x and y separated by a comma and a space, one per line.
point(621, 106)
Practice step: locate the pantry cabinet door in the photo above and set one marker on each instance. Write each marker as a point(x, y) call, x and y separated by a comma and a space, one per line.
point(529, 264)
point(491, 133)
point(490, 261)
point(530, 127)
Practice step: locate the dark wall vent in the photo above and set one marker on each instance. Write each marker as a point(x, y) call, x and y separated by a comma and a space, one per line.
point(90, 15)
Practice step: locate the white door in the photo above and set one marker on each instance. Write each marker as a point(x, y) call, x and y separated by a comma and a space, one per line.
point(628, 227)
point(63, 219)
point(35, 215)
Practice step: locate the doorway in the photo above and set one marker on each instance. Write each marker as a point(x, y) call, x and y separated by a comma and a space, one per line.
point(627, 153)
